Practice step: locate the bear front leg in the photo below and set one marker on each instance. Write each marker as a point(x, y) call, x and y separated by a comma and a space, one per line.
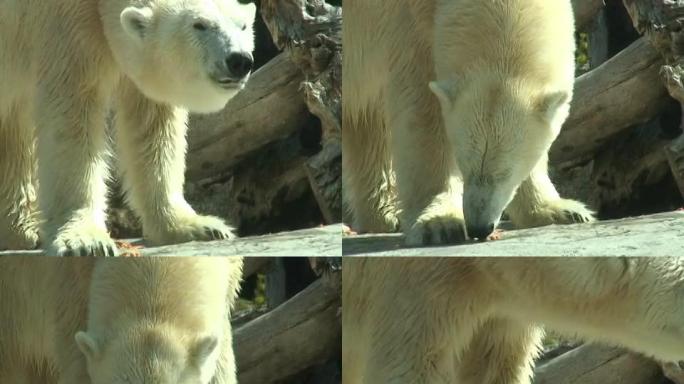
point(18, 217)
point(502, 351)
point(536, 203)
point(368, 178)
point(72, 168)
point(151, 147)
point(430, 193)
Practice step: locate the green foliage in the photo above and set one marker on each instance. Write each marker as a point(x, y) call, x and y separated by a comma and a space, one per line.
point(259, 297)
point(582, 52)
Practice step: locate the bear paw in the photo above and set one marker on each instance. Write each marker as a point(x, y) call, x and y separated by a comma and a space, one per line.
point(437, 228)
point(562, 211)
point(191, 228)
point(83, 239)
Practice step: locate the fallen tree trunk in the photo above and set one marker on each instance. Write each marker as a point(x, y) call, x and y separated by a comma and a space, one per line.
point(661, 22)
point(604, 102)
point(635, 161)
point(310, 31)
point(595, 364)
point(302, 332)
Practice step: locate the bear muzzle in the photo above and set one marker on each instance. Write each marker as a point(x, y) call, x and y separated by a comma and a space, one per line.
point(233, 71)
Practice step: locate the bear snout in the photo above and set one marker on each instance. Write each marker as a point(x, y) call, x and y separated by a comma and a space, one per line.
point(480, 231)
point(239, 64)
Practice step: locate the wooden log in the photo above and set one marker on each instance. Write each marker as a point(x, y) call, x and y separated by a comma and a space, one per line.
point(635, 160)
point(675, 156)
point(661, 22)
point(270, 108)
point(310, 31)
point(323, 171)
point(302, 332)
point(595, 364)
point(604, 102)
point(585, 11)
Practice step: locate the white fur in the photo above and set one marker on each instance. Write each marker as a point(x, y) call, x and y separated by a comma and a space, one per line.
point(98, 321)
point(467, 97)
point(61, 65)
point(476, 320)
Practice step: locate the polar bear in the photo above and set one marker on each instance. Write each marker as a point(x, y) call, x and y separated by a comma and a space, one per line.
point(455, 103)
point(473, 320)
point(63, 64)
point(103, 321)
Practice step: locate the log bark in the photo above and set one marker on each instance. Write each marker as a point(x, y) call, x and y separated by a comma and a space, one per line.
point(606, 102)
point(634, 161)
point(653, 235)
point(661, 22)
point(594, 364)
point(310, 31)
point(302, 332)
point(305, 242)
point(585, 11)
point(675, 156)
point(270, 108)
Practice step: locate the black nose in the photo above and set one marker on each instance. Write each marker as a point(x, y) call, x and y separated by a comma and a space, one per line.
point(239, 64)
point(481, 232)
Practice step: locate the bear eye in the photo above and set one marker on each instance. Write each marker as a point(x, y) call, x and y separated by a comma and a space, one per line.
point(245, 1)
point(244, 27)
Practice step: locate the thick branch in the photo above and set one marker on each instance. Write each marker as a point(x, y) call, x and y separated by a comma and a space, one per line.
point(661, 21)
point(311, 33)
point(621, 92)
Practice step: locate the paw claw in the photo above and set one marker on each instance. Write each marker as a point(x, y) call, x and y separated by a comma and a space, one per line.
point(192, 228)
point(82, 239)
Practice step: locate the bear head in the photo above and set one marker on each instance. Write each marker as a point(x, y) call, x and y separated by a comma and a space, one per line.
point(500, 129)
point(196, 54)
point(149, 355)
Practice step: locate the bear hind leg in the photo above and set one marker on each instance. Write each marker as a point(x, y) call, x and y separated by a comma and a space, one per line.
point(152, 145)
point(18, 218)
point(502, 351)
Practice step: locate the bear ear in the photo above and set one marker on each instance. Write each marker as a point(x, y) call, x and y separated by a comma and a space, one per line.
point(87, 345)
point(135, 21)
point(445, 92)
point(202, 349)
point(549, 103)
